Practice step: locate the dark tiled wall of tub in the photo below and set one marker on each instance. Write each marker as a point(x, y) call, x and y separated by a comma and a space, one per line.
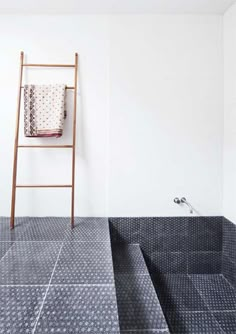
point(229, 251)
point(177, 245)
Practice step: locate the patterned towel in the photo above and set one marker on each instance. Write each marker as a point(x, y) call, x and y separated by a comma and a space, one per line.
point(44, 110)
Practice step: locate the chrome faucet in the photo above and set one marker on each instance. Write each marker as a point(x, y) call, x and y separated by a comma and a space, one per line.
point(184, 201)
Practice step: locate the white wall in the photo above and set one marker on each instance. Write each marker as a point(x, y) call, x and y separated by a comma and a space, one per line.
point(230, 114)
point(166, 113)
point(56, 39)
point(150, 113)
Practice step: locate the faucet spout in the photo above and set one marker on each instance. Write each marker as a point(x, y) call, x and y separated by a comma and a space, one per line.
point(184, 201)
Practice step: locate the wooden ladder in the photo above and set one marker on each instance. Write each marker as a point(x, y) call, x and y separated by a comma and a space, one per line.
point(17, 146)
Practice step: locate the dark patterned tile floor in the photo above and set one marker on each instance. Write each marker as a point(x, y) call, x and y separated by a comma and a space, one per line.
point(54, 280)
point(19, 307)
point(193, 323)
point(177, 293)
point(128, 259)
point(84, 263)
point(21, 224)
point(215, 291)
point(29, 263)
point(45, 229)
point(4, 247)
point(89, 229)
point(138, 305)
point(227, 321)
point(79, 309)
point(150, 331)
point(197, 303)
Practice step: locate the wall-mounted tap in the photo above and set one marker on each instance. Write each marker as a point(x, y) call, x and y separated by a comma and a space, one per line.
point(184, 201)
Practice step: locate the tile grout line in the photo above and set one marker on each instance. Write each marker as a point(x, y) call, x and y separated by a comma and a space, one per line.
point(58, 241)
point(151, 330)
point(6, 252)
point(208, 307)
point(46, 285)
point(44, 298)
point(213, 311)
point(228, 282)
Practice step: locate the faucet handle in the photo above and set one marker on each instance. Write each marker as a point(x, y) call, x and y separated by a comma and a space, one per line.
point(177, 200)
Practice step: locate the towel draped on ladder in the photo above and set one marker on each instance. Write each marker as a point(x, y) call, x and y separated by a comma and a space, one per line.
point(44, 110)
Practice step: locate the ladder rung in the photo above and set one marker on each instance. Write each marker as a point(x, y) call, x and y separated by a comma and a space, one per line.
point(67, 87)
point(48, 65)
point(45, 146)
point(44, 186)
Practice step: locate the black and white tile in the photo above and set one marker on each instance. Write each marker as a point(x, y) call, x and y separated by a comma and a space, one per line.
point(169, 262)
point(193, 323)
point(89, 230)
point(177, 246)
point(53, 279)
point(229, 251)
point(29, 263)
point(163, 234)
point(150, 331)
point(45, 229)
point(4, 247)
point(229, 239)
point(138, 305)
point(216, 292)
point(84, 263)
point(177, 293)
point(125, 230)
point(227, 321)
point(205, 234)
point(19, 308)
point(204, 262)
point(128, 258)
point(229, 270)
point(79, 309)
point(21, 224)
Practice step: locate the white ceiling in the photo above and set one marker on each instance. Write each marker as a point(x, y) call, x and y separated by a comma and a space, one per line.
point(114, 6)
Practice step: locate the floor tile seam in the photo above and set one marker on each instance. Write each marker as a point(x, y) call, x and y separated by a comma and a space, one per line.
point(38, 241)
point(201, 295)
point(229, 257)
point(187, 263)
point(228, 282)
point(225, 311)
point(223, 332)
point(160, 330)
point(23, 285)
point(107, 261)
point(46, 285)
point(144, 329)
point(85, 284)
point(6, 241)
point(207, 306)
point(202, 312)
point(86, 242)
point(6, 252)
point(210, 311)
point(130, 273)
point(25, 229)
point(46, 292)
point(218, 323)
point(230, 286)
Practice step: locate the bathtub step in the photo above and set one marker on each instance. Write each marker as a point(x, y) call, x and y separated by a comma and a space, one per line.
point(138, 305)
